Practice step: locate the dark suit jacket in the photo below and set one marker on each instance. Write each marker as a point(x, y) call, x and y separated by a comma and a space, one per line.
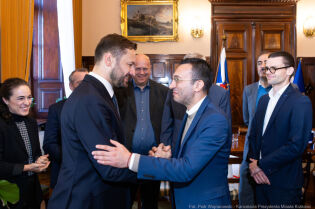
point(52, 140)
point(199, 166)
point(174, 112)
point(13, 157)
point(284, 139)
point(88, 118)
point(128, 112)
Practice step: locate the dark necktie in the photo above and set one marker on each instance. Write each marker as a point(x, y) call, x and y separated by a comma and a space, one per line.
point(116, 104)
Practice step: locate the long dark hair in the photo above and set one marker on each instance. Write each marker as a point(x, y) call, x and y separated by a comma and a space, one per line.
point(6, 92)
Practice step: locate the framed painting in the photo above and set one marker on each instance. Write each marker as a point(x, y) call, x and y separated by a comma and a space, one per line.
point(149, 20)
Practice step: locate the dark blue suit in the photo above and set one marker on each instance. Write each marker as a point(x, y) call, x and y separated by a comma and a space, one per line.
point(52, 140)
point(174, 112)
point(198, 168)
point(281, 146)
point(88, 118)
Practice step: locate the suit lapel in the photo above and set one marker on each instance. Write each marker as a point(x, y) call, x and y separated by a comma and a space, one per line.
point(131, 93)
point(103, 92)
point(193, 123)
point(253, 98)
point(280, 102)
point(179, 137)
point(18, 137)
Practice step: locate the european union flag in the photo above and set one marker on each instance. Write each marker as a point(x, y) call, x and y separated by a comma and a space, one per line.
point(298, 78)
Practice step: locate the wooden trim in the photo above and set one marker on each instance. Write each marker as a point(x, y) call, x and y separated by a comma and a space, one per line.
point(255, 1)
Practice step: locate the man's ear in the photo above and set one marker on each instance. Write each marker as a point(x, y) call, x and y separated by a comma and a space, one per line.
point(290, 71)
point(109, 59)
point(198, 85)
point(5, 101)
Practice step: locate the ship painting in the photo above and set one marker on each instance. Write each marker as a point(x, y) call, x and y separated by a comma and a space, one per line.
point(150, 20)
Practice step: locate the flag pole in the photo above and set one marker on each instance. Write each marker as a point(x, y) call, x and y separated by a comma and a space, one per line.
point(223, 45)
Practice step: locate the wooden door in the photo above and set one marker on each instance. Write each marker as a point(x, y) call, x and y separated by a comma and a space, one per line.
point(239, 55)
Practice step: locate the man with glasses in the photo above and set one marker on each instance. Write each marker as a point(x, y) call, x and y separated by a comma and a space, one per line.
point(199, 164)
point(278, 137)
point(141, 108)
point(251, 95)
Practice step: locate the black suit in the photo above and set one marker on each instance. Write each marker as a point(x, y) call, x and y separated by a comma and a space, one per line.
point(52, 140)
point(149, 190)
point(89, 117)
point(128, 112)
point(13, 157)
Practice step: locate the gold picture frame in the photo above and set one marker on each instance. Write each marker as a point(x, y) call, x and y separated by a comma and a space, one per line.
point(149, 20)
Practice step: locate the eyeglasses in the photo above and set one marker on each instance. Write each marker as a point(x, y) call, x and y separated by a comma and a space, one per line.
point(177, 79)
point(274, 69)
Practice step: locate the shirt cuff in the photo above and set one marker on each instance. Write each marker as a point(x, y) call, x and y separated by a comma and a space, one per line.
point(134, 162)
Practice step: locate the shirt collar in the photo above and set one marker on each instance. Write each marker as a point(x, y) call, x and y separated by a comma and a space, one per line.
point(107, 85)
point(195, 108)
point(259, 84)
point(136, 86)
point(279, 93)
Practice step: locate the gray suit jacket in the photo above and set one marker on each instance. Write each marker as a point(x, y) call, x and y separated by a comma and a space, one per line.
point(249, 102)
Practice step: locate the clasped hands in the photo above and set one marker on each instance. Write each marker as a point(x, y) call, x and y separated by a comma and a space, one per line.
point(40, 165)
point(258, 174)
point(119, 156)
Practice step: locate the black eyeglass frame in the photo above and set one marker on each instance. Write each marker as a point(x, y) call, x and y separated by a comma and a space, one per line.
point(273, 70)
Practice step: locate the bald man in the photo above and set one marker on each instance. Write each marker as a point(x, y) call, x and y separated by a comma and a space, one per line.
point(141, 109)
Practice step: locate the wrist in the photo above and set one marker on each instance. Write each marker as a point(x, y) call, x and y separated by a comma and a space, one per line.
point(128, 161)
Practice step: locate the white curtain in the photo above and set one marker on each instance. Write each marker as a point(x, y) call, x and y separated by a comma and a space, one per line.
point(66, 40)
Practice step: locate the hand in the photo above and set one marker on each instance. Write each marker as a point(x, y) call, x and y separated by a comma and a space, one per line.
point(42, 159)
point(161, 151)
point(36, 167)
point(117, 156)
point(258, 174)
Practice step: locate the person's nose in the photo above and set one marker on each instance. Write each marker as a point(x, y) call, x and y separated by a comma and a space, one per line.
point(173, 84)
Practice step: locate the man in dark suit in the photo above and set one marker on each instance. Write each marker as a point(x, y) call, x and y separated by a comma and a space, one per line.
point(141, 108)
point(52, 137)
point(174, 112)
point(278, 137)
point(198, 168)
point(251, 95)
point(90, 116)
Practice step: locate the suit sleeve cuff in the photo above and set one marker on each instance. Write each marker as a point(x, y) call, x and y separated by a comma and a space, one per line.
point(134, 162)
point(17, 169)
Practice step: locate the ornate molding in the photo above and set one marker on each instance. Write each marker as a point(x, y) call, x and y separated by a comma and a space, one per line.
point(253, 1)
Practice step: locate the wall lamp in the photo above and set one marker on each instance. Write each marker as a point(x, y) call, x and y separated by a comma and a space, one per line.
point(309, 27)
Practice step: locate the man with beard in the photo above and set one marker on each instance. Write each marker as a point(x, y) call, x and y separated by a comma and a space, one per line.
point(199, 164)
point(90, 116)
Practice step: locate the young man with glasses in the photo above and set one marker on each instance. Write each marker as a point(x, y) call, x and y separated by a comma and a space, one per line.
point(278, 137)
point(141, 107)
point(251, 95)
point(198, 167)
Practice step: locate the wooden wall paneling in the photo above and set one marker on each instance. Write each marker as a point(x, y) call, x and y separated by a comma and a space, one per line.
point(239, 54)
point(47, 75)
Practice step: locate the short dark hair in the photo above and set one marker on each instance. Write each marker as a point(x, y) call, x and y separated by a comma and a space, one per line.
point(288, 59)
point(84, 70)
point(200, 71)
point(6, 92)
point(113, 43)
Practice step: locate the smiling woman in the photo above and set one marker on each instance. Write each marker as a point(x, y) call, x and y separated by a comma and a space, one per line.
point(20, 155)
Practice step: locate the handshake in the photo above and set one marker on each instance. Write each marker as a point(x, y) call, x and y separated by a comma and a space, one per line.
point(161, 151)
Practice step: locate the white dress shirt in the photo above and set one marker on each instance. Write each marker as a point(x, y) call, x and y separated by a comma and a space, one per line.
point(107, 85)
point(274, 98)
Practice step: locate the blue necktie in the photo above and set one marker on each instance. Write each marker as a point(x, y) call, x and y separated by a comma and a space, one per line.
point(116, 104)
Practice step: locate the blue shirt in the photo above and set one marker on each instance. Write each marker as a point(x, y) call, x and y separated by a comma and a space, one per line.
point(261, 92)
point(143, 138)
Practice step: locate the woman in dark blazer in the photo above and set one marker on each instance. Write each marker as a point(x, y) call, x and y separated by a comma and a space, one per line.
point(20, 154)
